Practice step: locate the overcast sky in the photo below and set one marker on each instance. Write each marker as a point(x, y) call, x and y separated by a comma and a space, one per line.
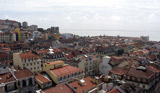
point(85, 14)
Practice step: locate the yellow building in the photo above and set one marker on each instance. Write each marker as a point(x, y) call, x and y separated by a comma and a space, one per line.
point(17, 36)
point(56, 36)
point(24, 35)
point(60, 73)
point(27, 60)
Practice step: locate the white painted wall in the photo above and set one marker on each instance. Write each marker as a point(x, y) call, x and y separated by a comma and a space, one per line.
point(104, 67)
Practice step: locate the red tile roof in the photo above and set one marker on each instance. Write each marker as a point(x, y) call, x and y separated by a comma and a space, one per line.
point(23, 74)
point(154, 68)
point(55, 62)
point(66, 70)
point(42, 79)
point(140, 74)
point(59, 89)
point(6, 78)
point(89, 85)
point(6, 49)
point(119, 71)
point(42, 51)
point(28, 55)
point(18, 74)
point(114, 91)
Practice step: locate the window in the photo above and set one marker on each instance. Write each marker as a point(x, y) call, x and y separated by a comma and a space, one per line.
point(139, 79)
point(37, 62)
point(60, 78)
point(144, 80)
point(127, 77)
point(133, 78)
point(143, 86)
point(30, 63)
point(34, 68)
point(31, 68)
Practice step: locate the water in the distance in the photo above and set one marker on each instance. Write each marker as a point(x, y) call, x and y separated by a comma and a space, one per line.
point(153, 35)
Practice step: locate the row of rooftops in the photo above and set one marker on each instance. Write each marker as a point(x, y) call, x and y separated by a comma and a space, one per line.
point(14, 75)
point(80, 86)
point(140, 72)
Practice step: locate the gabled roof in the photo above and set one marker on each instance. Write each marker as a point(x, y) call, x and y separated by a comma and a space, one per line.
point(23, 74)
point(8, 77)
point(42, 79)
point(140, 74)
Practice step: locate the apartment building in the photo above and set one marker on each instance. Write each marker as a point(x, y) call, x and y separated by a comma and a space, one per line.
point(142, 77)
point(29, 60)
point(61, 73)
point(89, 64)
point(17, 81)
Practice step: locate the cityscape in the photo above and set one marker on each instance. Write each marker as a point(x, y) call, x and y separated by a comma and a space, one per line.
point(71, 57)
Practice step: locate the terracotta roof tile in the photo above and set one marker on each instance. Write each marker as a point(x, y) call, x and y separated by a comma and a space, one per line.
point(89, 85)
point(55, 62)
point(42, 79)
point(119, 71)
point(154, 68)
point(139, 73)
point(59, 89)
point(18, 74)
point(29, 55)
point(23, 73)
point(42, 51)
point(66, 70)
point(6, 78)
point(114, 91)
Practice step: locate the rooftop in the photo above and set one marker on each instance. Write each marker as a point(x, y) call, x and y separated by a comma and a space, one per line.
point(115, 90)
point(89, 85)
point(140, 73)
point(55, 62)
point(28, 55)
point(119, 71)
point(65, 70)
point(42, 79)
point(63, 88)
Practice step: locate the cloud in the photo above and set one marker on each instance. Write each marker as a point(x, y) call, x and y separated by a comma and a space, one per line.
point(85, 14)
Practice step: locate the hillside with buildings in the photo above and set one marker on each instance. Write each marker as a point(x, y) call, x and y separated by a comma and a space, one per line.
point(37, 60)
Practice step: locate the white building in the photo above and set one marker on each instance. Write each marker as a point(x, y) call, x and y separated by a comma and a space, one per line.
point(104, 67)
point(36, 34)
